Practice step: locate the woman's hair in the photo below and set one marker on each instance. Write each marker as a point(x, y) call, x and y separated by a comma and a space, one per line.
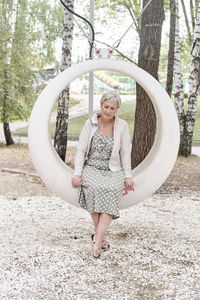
point(111, 96)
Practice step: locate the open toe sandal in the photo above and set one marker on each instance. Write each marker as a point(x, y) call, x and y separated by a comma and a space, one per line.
point(104, 246)
point(96, 249)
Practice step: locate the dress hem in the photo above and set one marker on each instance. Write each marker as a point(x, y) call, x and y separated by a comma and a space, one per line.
point(100, 212)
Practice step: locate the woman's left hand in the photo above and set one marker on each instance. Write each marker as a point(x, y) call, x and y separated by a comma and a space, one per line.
point(129, 183)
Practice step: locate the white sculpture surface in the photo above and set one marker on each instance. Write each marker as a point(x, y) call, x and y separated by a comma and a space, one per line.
point(148, 176)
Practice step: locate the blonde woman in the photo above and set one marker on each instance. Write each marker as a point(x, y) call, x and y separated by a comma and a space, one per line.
point(103, 167)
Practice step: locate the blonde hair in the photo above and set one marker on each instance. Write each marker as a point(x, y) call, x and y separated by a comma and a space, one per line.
point(111, 96)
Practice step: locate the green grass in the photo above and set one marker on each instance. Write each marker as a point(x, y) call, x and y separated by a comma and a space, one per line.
point(126, 112)
point(73, 101)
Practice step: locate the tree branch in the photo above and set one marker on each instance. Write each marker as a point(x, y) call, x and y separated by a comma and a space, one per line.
point(186, 21)
point(133, 17)
point(192, 13)
point(196, 7)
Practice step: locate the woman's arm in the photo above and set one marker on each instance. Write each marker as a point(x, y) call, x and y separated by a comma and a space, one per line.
point(126, 157)
point(125, 152)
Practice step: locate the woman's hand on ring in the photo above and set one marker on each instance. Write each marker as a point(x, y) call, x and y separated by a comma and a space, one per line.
point(76, 181)
point(129, 183)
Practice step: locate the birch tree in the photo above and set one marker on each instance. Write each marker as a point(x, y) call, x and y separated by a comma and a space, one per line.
point(60, 139)
point(178, 78)
point(190, 117)
point(187, 120)
point(190, 13)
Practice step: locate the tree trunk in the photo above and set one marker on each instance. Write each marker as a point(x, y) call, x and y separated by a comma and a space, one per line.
point(60, 139)
point(178, 79)
point(170, 67)
point(149, 54)
point(186, 144)
point(7, 92)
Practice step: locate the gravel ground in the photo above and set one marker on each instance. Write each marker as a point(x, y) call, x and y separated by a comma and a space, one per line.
point(45, 251)
point(46, 248)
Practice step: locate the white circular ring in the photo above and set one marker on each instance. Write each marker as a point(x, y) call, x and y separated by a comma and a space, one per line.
point(148, 176)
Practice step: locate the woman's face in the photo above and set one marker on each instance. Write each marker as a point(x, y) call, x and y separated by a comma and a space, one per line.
point(109, 109)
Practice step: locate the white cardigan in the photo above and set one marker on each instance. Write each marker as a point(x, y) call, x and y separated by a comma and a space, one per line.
point(120, 157)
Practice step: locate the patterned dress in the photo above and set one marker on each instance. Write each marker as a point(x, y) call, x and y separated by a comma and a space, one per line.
point(101, 188)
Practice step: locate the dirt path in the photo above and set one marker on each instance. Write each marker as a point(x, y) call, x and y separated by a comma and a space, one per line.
point(184, 179)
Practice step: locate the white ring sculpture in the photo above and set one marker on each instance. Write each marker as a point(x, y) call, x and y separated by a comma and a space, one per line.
point(148, 176)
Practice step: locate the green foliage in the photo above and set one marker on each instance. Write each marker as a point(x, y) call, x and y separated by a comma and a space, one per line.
point(32, 46)
point(185, 50)
point(113, 8)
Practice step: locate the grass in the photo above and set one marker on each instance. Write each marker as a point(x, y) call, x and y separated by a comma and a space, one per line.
point(73, 101)
point(126, 112)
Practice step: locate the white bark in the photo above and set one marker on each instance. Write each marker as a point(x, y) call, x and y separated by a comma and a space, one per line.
point(190, 117)
point(178, 79)
point(193, 80)
point(67, 36)
point(60, 140)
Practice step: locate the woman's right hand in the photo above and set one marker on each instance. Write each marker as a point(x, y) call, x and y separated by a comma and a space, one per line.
point(76, 181)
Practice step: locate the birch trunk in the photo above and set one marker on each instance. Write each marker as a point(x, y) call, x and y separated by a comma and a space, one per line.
point(60, 139)
point(149, 54)
point(7, 91)
point(178, 79)
point(170, 66)
point(186, 145)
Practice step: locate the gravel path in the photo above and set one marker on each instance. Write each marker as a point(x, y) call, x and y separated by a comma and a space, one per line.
point(45, 243)
point(45, 251)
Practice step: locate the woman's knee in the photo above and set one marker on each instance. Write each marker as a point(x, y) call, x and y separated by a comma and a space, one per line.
point(106, 216)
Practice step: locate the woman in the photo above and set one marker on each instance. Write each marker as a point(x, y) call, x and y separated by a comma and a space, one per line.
point(102, 167)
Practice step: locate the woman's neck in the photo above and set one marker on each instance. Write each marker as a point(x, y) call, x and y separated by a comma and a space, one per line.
point(106, 121)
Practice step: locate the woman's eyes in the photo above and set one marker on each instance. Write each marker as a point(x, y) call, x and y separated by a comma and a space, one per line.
point(110, 108)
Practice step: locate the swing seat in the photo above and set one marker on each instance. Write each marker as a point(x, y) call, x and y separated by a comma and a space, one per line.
point(148, 176)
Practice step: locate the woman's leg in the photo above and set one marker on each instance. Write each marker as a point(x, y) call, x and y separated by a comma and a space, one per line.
point(95, 218)
point(104, 221)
